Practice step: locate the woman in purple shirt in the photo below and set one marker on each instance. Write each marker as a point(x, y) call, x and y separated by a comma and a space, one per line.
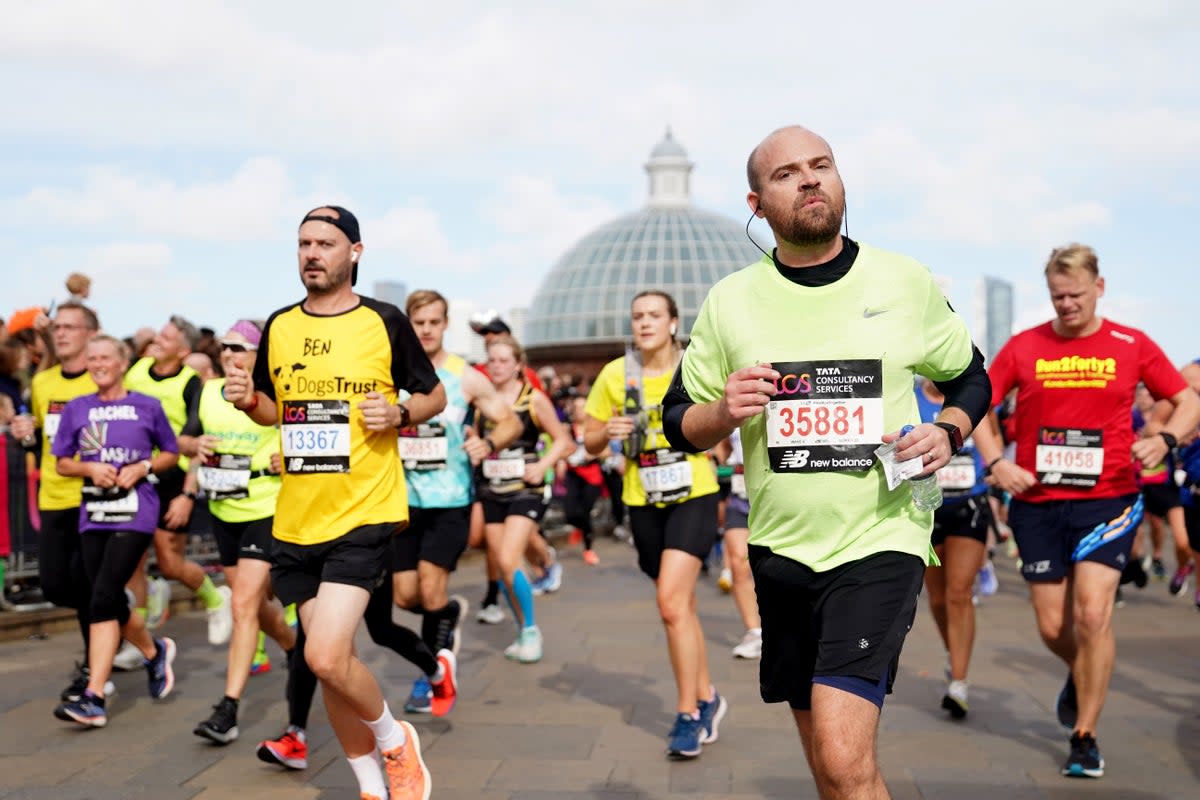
point(115, 440)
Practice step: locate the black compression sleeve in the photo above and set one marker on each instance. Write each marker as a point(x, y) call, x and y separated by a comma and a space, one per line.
point(675, 404)
point(192, 426)
point(970, 391)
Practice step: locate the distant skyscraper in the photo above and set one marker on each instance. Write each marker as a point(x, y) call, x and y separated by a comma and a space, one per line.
point(393, 292)
point(516, 322)
point(993, 314)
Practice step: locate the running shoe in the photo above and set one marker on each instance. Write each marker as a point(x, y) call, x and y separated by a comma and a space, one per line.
point(420, 700)
point(590, 558)
point(289, 750)
point(1085, 760)
point(158, 669)
point(725, 582)
point(456, 631)
point(1119, 600)
point(1067, 706)
point(685, 737)
point(1158, 569)
point(88, 711)
point(751, 645)
point(955, 700)
point(79, 684)
point(711, 714)
point(220, 619)
point(221, 727)
point(128, 658)
point(261, 664)
point(445, 692)
point(554, 576)
point(1179, 581)
point(407, 775)
point(158, 602)
point(290, 616)
point(575, 536)
point(491, 614)
point(1135, 573)
point(988, 583)
point(527, 648)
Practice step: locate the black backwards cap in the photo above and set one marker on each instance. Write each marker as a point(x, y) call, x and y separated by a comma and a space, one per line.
point(345, 222)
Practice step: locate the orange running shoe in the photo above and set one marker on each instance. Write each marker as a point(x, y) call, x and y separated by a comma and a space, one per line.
point(445, 694)
point(407, 775)
point(590, 558)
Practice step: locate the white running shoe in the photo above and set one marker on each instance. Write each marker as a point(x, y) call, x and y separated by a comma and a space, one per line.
point(751, 645)
point(527, 649)
point(128, 658)
point(158, 602)
point(490, 615)
point(220, 619)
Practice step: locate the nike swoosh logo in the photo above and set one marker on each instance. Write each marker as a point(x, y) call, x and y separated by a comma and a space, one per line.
point(868, 312)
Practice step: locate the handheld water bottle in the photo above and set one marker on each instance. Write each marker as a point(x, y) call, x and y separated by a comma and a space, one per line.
point(926, 494)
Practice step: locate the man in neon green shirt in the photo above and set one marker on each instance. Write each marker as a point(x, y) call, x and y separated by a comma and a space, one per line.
point(812, 352)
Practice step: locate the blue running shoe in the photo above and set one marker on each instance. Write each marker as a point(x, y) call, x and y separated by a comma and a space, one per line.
point(88, 711)
point(554, 576)
point(1085, 760)
point(1067, 707)
point(421, 699)
point(158, 669)
point(711, 714)
point(685, 737)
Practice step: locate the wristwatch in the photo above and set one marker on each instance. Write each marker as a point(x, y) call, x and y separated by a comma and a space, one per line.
point(1170, 439)
point(405, 417)
point(193, 496)
point(955, 435)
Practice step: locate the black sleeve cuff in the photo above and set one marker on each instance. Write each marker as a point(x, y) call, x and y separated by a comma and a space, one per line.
point(675, 404)
point(970, 391)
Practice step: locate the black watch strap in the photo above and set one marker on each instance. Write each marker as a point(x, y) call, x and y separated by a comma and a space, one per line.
point(955, 435)
point(1170, 439)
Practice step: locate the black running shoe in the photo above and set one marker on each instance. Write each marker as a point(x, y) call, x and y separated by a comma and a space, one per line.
point(221, 727)
point(1067, 706)
point(1085, 760)
point(75, 688)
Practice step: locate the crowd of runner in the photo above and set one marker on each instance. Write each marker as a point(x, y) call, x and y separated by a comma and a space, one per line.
point(345, 461)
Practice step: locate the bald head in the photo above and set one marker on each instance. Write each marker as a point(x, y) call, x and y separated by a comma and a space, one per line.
point(786, 138)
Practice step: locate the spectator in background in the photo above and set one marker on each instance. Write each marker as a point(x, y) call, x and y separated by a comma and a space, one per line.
point(7, 412)
point(12, 360)
point(203, 364)
point(142, 341)
point(79, 287)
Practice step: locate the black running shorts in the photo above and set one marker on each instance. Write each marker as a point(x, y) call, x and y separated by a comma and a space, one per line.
point(436, 535)
point(968, 518)
point(358, 558)
point(690, 526)
point(238, 540)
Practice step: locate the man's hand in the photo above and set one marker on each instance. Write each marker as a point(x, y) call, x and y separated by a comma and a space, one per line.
point(378, 413)
point(132, 474)
point(747, 392)
point(104, 475)
point(179, 511)
point(618, 427)
point(477, 449)
point(21, 427)
point(1151, 451)
point(239, 386)
point(535, 474)
point(206, 445)
point(927, 442)
point(1011, 478)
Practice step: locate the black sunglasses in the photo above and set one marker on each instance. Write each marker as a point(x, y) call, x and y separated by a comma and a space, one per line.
point(237, 347)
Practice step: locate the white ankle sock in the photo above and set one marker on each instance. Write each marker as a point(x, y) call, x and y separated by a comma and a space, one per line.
point(369, 771)
point(957, 690)
point(388, 734)
point(438, 676)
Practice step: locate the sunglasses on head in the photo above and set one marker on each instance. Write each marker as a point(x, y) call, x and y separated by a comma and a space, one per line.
point(238, 347)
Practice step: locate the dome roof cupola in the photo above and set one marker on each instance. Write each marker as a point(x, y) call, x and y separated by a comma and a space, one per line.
point(669, 171)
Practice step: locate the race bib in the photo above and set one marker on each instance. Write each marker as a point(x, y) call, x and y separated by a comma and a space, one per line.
point(316, 436)
point(116, 509)
point(504, 469)
point(737, 482)
point(826, 416)
point(424, 447)
point(958, 476)
point(666, 475)
point(52, 420)
point(1070, 456)
point(225, 477)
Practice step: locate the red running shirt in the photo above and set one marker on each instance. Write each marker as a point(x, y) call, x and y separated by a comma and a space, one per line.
point(1074, 400)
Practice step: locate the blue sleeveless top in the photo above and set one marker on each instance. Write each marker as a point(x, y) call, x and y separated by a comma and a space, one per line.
point(436, 467)
point(956, 477)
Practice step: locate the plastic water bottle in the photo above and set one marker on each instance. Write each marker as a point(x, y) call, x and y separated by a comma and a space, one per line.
point(926, 494)
point(29, 441)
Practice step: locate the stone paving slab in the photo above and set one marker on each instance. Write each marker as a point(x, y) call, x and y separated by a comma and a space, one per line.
point(590, 720)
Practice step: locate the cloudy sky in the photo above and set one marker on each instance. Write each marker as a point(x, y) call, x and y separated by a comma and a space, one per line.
point(168, 149)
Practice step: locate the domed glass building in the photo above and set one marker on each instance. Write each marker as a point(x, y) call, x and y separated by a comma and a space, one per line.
point(581, 309)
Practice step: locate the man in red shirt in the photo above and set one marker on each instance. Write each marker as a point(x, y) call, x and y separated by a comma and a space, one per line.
point(1076, 507)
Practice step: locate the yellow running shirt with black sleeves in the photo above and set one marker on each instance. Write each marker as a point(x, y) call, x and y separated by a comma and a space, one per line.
point(607, 394)
point(52, 389)
point(173, 391)
point(337, 474)
point(236, 476)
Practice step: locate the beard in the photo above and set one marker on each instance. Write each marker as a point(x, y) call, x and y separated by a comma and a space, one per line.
point(805, 227)
point(326, 281)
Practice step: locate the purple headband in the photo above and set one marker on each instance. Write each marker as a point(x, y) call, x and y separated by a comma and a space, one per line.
point(247, 329)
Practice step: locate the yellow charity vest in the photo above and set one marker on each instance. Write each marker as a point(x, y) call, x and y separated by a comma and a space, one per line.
point(168, 391)
point(237, 476)
point(51, 392)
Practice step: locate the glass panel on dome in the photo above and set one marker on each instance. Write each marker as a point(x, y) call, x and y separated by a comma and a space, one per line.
point(631, 275)
point(651, 252)
point(668, 274)
point(651, 272)
point(685, 251)
point(589, 328)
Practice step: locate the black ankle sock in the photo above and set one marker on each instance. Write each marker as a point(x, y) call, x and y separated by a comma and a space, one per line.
point(493, 593)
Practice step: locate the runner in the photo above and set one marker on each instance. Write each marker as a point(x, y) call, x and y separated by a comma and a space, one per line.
point(60, 563)
point(1075, 505)
point(116, 440)
point(163, 375)
point(672, 502)
point(237, 470)
point(824, 336)
point(583, 479)
point(1162, 498)
point(510, 485)
point(960, 529)
point(329, 369)
point(438, 459)
point(737, 556)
